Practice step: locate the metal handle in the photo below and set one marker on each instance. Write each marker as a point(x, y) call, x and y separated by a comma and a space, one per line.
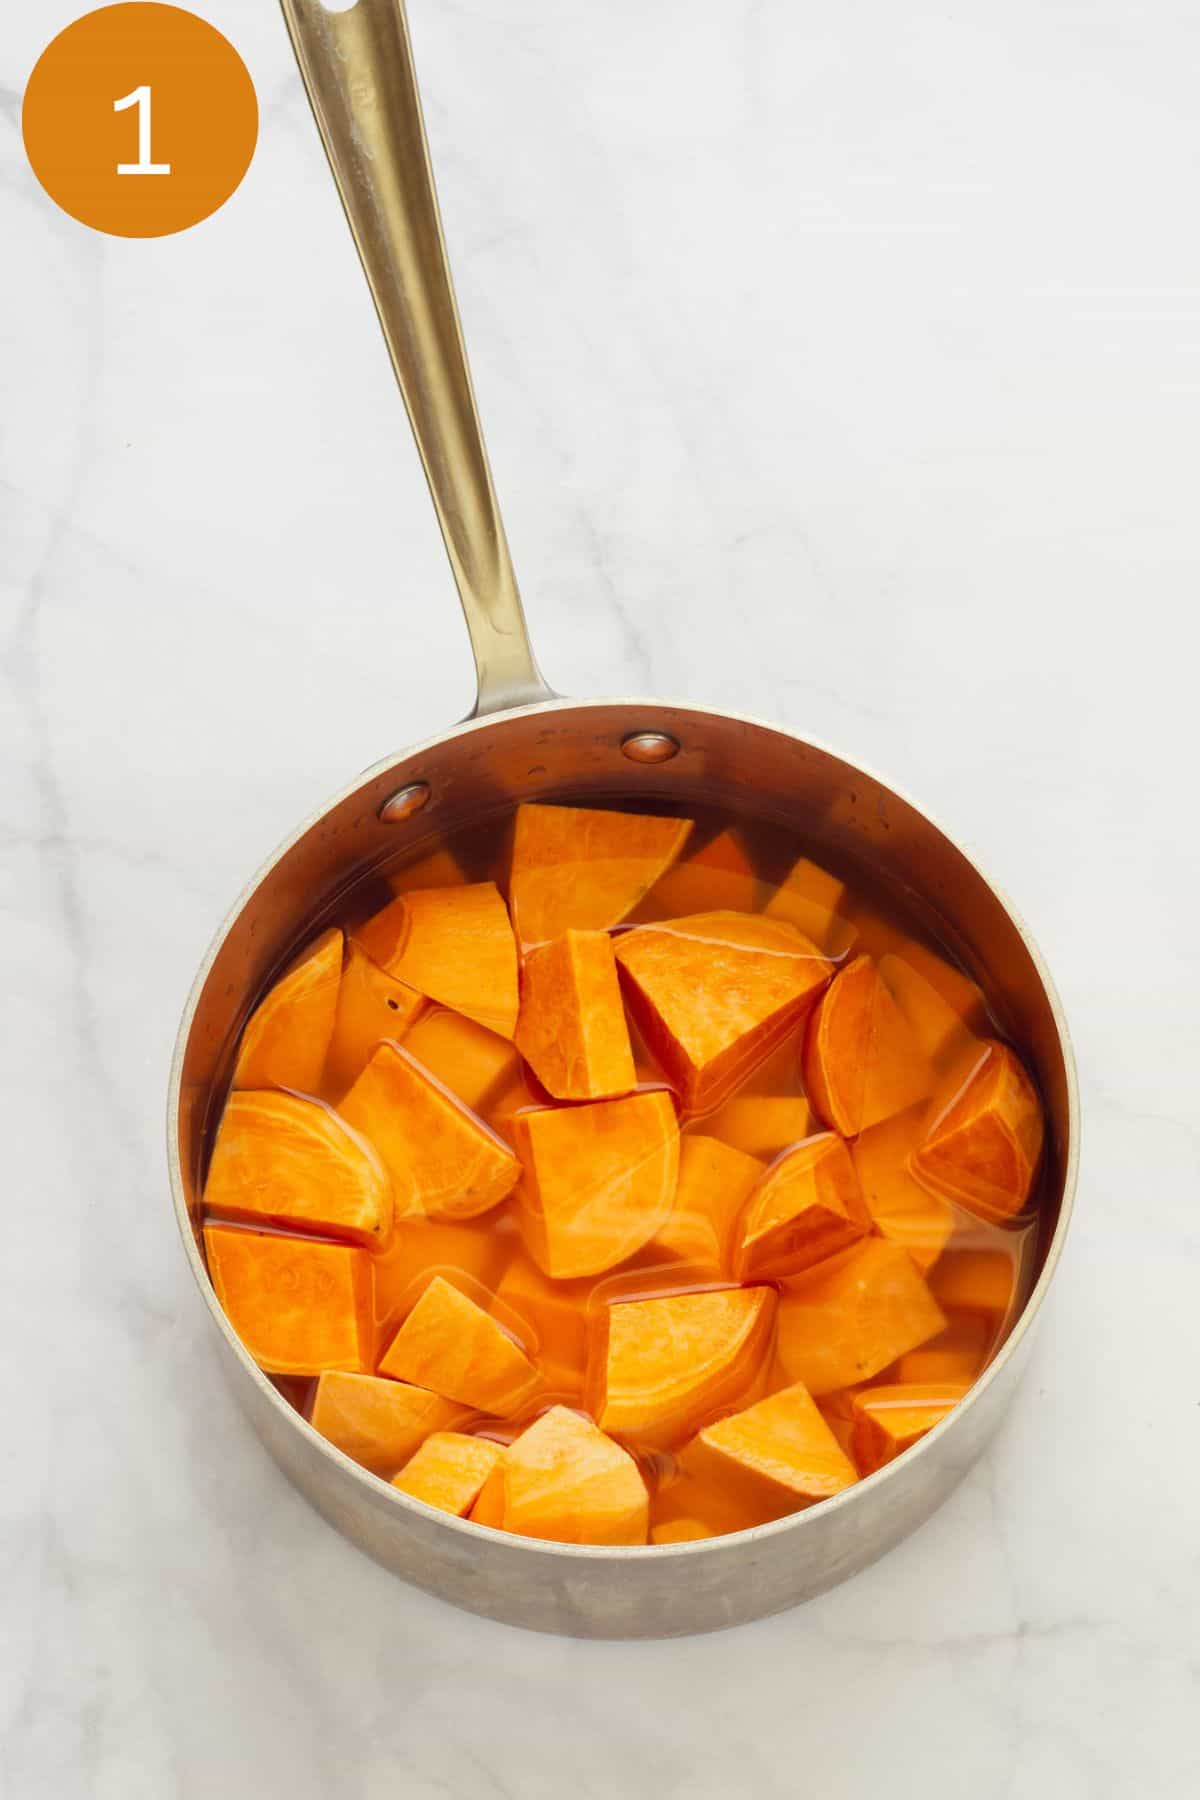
point(358, 70)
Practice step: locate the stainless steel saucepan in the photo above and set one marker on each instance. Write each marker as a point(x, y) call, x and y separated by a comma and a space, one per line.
point(522, 742)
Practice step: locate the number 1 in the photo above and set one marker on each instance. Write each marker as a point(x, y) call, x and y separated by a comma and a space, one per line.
point(144, 165)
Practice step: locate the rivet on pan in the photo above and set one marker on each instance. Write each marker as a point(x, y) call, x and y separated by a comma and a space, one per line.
point(650, 746)
point(404, 802)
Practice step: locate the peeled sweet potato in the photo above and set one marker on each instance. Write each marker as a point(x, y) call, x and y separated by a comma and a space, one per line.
point(889, 1419)
point(659, 1367)
point(810, 898)
point(467, 1058)
point(577, 868)
point(861, 1060)
point(298, 1306)
point(956, 1354)
point(282, 1160)
point(565, 1481)
point(451, 1346)
point(943, 1007)
point(448, 1471)
point(763, 1124)
point(572, 1028)
point(680, 1531)
point(599, 1180)
point(444, 1162)
point(984, 1143)
point(553, 1318)
point(774, 1457)
point(378, 1423)
point(719, 875)
point(982, 1282)
point(440, 869)
point(286, 1038)
point(806, 1208)
point(371, 1006)
point(902, 1209)
point(714, 994)
point(454, 945)
point(849, 1318)
point(714, 1184)
point(469, 1254)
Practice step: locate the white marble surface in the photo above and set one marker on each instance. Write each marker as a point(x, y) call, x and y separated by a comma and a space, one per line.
point(839, 365)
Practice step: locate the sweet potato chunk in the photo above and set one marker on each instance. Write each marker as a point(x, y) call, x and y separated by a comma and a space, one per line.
point(471, 1061)
point(888, 1419)
point(850, 1318)
point(956, 1354)
point(563, 1480)
point(298, 1306)
point(286, 1038)
point(444, 1162)
point(378, 1423)
point(715, 993)
point(982, 1282)
point(942, 1006)
point(774, 1457)
point(902, 1209)
point(715, 1182)
point(599, 1180)
point(572, 1026)
point(809, 898)
point(861, 1060)
point(371, 1006)
point(763, 1124)
point(720, 875)
point(440, 869)
point(553, 1317)
point(283, 1160)
point(454, 945)
point(679, 1531)
point(470, 1255)
point(806, 1208)
point(576, 868)
point(448, 1471)
point(985, 1141)
point(659, 1367)
point(451, 1346)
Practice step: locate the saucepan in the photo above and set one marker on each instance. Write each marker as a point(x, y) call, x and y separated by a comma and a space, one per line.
point(522, 742)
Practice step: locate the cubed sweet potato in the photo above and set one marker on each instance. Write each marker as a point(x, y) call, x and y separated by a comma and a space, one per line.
point(454, 945)
point(714, 994)
point(762, 1125)
point(658, 1368)
point(371, 1006)
point(889, 1419)
point(902, 1209)
point(440, 869)
point(578, 868)
point(680, 1531)
point(378, 1423)
point(565, 1481)
point(714, 1184)
point(451, 1346)
point(851, 1317)
point(444, 1162)
point(473, 1062)
point(448, 1471)
point(286, 1038)
point(280, 1159)
point(553, 1320)
point(470, 1254)
point(773, 1457)
point(956, 1354)
point(806, 1208)
point(599, 1180)
point(984, 1143)
point(943, 1007)
point(298, 1306)
point(861, 1060)
point(719, 875)
point(982, 1282)
point(810, 898)
point(572, 1028)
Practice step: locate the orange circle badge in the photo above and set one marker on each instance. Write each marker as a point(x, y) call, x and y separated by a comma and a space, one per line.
point(140, 119)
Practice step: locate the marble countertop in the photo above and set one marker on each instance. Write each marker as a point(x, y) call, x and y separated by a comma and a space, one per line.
point(839, 367)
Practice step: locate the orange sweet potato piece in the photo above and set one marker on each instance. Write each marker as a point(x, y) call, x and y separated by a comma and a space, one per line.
point(471, 1061)
point(943, 1006)
point(985, 1140)
point(454, 945)
point(861, 1060)
point(806, 1208)
point(659, 1367)
point(565, 1481)
point(577, 868)
point(440, 869)
point(443, 1161)
point(299, 1306)
point(680, 1531)
point(902, 1209)
point(982, 1282)
point(371, 1006)
point(774, 1457)
point(553, 1317)
point(763, 1124)
point(282, 1160)
point(448, 1471)
point(956, 1354)
point(572, 1026)
point(848, 1319)
point(810, 898)
point(714, 994)
point(599, 1180)
point(378, 1423)
point(470, 1255)
point(889, 1419)
point(720, 874)
point(451, 1346)
point(286, 1038)
point(714, 1184)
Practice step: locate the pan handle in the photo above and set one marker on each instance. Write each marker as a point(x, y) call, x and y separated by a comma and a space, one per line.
point(358, 70)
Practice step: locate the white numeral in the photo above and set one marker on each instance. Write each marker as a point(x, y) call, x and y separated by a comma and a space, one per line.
point(145, 165)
